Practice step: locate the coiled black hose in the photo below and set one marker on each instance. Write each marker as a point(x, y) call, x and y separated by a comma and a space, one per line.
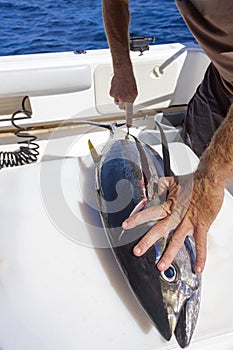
point(28, 151)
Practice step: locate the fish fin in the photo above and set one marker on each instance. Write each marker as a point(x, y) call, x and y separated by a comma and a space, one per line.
point(94, 153)
point(97, 197)
point(141, 205)
point(165, 150)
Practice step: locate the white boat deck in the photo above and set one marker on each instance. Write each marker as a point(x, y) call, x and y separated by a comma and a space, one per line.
point(60, 289)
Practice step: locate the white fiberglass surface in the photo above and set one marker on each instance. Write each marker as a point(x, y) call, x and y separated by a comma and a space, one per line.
point(60, 287)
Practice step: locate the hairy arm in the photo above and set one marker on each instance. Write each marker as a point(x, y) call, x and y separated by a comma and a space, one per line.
point(216, 164)
point(193, 201)
point(116, 20)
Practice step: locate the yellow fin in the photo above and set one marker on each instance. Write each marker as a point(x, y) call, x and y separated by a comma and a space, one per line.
point(94, 153)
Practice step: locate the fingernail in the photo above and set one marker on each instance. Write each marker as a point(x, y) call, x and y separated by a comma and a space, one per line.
point(137, 250)
point(124, 224)
point(198, 270)
point(161, 266)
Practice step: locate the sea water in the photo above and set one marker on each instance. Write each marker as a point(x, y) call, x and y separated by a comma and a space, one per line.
point(37, 26)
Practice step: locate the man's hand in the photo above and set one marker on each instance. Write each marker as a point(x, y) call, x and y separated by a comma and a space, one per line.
point(124, 90)
point(191, 207)
point(123, 85)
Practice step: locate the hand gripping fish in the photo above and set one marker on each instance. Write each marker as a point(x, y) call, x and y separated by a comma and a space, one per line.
point(127, 174)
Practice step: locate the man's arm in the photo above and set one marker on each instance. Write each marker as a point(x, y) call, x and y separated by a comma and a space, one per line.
point(216, 163)
point(116, 20)
point(193, 202)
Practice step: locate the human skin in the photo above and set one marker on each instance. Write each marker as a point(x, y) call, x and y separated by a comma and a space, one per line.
point(194, 200)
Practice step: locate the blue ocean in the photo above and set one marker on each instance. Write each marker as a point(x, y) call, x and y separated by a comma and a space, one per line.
point(35, 26)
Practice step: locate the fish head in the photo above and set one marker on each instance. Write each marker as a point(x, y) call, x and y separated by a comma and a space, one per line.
point(181, 289)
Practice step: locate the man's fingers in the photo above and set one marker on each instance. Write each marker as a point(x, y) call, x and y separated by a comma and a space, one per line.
point(149, 214)
point(121, 105)
point(176, 243)
point(150, 238)
point(174, 246)
point(160, 229)
point(165, 183)
point(201, 247)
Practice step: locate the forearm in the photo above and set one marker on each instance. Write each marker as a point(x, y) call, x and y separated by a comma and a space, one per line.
point(216, 163)
point(116, 20)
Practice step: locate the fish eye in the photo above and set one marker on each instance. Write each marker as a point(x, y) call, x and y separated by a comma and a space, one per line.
point(170, 274)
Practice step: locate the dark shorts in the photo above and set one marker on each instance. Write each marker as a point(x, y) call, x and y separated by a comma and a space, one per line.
point(206, 111)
